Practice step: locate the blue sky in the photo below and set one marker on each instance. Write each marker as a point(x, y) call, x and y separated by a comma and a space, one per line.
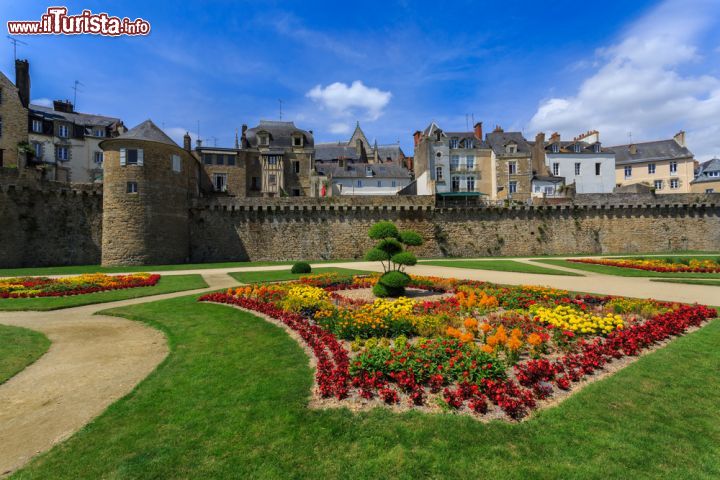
point(645, 68)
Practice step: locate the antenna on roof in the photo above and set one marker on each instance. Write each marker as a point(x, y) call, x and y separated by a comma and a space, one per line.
point(630, 136)
point(198, 130)
point(467, 127)
point(75, 90)
point(280, 101)
point(15, 41)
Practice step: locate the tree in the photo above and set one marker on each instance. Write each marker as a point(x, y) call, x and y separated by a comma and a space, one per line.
point(391, 251)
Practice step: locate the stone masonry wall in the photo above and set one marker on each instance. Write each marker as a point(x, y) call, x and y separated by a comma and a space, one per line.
point(339, 232)
point(49, 225)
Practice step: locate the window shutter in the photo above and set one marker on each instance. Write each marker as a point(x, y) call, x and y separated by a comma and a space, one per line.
point(140, 157)
point(122, 157)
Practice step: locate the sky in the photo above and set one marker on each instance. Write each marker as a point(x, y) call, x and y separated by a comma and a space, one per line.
point(636, 71)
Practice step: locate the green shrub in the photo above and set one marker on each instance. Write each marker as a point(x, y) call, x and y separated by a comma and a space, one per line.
point(301, 267)
point(383, 230)
point(405, 258)
point(395, 279)
point(383, 291)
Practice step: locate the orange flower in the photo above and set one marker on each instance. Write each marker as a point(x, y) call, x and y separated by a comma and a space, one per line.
point(534, 339)
point(466, 337)
point(486, 349)
point(514, 343)
point(516, 332)
point(471, 323)
point(492, 341)
point(453, 332)
point(485, 327)
point(500, 335)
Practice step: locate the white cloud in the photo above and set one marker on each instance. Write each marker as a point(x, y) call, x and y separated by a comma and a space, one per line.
point(178, 133)
point(43, 102)
point(342, 99)
point(640, 86)
point(338, 128)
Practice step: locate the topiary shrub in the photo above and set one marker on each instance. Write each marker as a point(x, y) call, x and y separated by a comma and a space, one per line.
point(391, 248)
point(301, 267)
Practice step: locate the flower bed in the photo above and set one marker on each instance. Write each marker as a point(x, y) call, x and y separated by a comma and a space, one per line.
point(489, 351)
point(29, 287)
point(690, 265)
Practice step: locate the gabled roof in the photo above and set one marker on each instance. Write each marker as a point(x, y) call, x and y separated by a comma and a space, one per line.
point(358, 134)
point(430, 129)
point(498, 141)
point(85, 119)
point(281, 133)
point(650, 151)
point(703, 173)
point(569, 147)
point(146, 131)
point(334, 151)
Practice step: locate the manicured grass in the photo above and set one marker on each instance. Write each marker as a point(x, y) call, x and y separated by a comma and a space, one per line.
point(19, 347)
point(78, 269)
point(625, 272)
point(230, 402)
point(499, 265)
point(688, 282)
point(283, 275)
point(167, 284)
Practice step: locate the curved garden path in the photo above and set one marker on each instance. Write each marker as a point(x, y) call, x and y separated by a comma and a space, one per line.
point(95, 359)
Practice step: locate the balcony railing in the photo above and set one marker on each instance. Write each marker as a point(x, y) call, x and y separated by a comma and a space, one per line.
point(465, 189)
point(464, 168)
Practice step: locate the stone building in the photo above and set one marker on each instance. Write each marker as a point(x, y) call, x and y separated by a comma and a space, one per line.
point(668, 166)
point(14, 99)
point(707, 177)
point(224, 169)
point(453, 163)
point(512, 156)
point(149, 184)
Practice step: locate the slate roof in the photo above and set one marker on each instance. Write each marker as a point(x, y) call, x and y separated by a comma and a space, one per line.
point(650, 151)
point(389, 151)
point(146, 131)
point(358, 170)
point(498, 141)
point(85, 119)
point(334, 151)
point(702, 175)
point(568, 147)
point(281, 134)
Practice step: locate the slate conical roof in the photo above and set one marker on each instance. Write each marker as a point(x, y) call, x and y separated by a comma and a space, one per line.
point(147, 131)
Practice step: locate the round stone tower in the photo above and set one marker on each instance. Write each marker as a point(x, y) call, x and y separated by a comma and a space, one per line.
point(148, 185)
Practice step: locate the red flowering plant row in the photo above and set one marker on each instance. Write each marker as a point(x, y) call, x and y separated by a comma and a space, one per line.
point(496, 356)
point(29, 287)
point(693, 265)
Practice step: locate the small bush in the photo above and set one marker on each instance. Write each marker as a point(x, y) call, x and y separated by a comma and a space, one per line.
point(395, 279)
point(301, 267)
point(405, 258)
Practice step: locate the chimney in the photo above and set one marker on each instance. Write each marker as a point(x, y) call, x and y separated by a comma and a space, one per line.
point(538, 154)
point(65, 106)
point(633, 149)
point(555, 137)
point(187, 143)
point(416, 137)
point(22, 81)
point(498, 129)
point(680, 138)
point(478, 131)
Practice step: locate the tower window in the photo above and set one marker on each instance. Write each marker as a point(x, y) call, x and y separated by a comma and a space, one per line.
point(132, 187)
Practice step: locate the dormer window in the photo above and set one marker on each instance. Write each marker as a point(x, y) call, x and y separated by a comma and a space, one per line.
point(368, 172)
point(263, 139)
point(297, 141)
point(454, 142)
point(63, 131)
point(99, 132)
point(577, 147)
point(469, 143)
point(596, 147)
point(511, 148)
point(555, 148)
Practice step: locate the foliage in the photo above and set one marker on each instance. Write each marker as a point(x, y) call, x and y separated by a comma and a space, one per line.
point(301, 267)
point(391, 249)
point(663, 265)
point(28, 287)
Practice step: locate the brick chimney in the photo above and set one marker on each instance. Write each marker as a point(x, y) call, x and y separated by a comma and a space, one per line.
point(538, 155)
point(22, 81)
point(478, 131)
point(555, 137)
point(498, 129)
point(65, 106)
point(680, 138)
point(187, 142)
point(416, 137)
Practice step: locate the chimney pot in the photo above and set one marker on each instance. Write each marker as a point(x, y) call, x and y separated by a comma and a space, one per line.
point(416, 137)
point(187, 142)
point(478, 131)
point(22, 81)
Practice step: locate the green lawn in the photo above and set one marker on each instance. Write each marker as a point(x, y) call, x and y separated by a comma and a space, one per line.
point(688, 282)
point(230, 402)
point(167, 284)
point(19, 347)
point(499, 265)
point(78, 269)
point(625, 272)
point(283, 275)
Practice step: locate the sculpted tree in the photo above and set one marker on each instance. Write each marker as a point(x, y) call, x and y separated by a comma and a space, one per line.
point(391, 251)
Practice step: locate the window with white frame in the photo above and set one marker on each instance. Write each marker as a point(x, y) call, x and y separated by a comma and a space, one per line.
point(439, 174)
point(470, 184)
point(132, 187)
point(220, 181)
point(176, 163)
point(674, 183)
point(469, 143)
point(131, 156)
point(359, 183)
point(99, 132)
point(296, 166)
point(454, 142)
point(454, 162)
point(512, 186)
point(455, 184)
point(98, 157)
point(63, 131)
point(577, 148)
point(715, 173)
point(577, 168)
point(709, 190)
point(62, 153)
point(37, 146)
point(658, 184)
point(651, 168)
point(297, 141)
point(470, 162)
point(273, 159)
point(264, 139)
point(369, 172)
point(394, 183)
point(555, 148)
point(512, 168)
point(511, 148)
point(37, 126)
point(556, 169)
point(549, 190)
point(673, 168)
point(628, 171)
point(379, 183)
